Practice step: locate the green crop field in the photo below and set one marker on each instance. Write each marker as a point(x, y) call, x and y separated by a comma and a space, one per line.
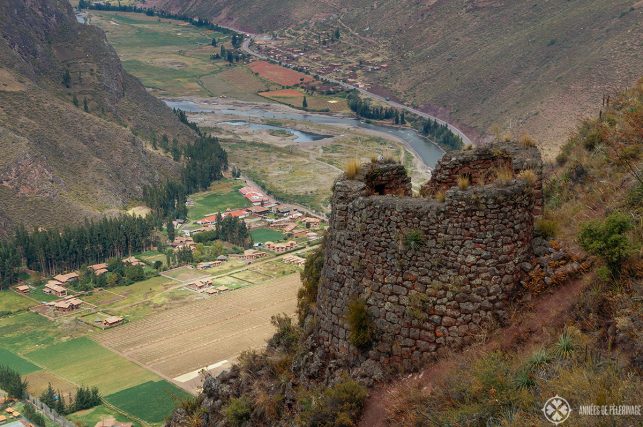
point(11, 302)
point(151, 401)
point(83, 361)
point(90, 417)
point(263, 235)
point(170, 57)
point(222, 195)
point(29, 331)
point(16, 362)
point(122, 296)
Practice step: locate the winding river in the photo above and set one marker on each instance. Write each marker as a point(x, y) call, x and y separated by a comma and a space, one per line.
point(429, 152)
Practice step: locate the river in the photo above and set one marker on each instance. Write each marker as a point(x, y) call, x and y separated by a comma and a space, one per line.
point(429, 152)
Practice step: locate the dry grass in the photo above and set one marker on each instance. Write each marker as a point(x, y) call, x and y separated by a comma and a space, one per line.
point(504, 175)
point(526, 141)
point(352, 168)
point(528, 175)
point(440, 196)
point(463, 182)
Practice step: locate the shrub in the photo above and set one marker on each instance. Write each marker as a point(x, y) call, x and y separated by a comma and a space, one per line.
point(463, 182)
point(360, 324)
point(413, 239)
point(352, 168)
point(287, 334)
point(307, 294)
point(468, 147)
point(607, 239)
point(546, 228)
point(440, 196)
point(237, 411)
point(528, 175)
point(565, 345)
point(504, 175)
point(339, 405)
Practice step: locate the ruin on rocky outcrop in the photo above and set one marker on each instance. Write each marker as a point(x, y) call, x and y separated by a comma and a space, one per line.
point(433, 272)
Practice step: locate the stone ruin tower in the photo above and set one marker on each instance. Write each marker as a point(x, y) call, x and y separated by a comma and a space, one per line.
point(433, 272)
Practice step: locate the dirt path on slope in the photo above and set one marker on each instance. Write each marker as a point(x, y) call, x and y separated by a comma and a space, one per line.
point(533, 325)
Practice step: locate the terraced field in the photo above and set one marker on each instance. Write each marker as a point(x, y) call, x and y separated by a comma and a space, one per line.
point(199, 334)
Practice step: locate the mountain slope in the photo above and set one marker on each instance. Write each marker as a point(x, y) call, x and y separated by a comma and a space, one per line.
point(520, 65)
point(63, 160)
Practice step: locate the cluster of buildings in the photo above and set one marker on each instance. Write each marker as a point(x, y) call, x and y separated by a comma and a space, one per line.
point(206, 286)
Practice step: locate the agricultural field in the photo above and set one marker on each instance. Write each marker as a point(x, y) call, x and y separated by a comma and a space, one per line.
point(295, 98)
point(237, 82)
point(151, 401)
point(90, 417)
point(222, 195)
point(276, 268)
point(263, 235)
point(281, 75)
point(170, 57)
point(205, 331)
point(83, 361)
point(12, 360)
point(39, 381)
point(11, 302)
point(184, 274)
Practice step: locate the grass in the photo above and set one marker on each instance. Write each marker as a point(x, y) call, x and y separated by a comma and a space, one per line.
point(352, 168)
point(168, 56)
point(17, 363)
point(151, 401)
point(90, 417)
point(83, 361)
point(222, 195)
point(237, 83)
point(39, 381)
point(263, 235)
point(27, 332)
point(11, 302)
point(295, 98)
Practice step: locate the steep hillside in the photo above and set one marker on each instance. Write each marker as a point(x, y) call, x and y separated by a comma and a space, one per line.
point(527, 66)
point(73, 124)
point(571, 326)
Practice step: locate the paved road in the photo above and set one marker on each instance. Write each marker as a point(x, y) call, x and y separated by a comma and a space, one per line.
point(465, 139)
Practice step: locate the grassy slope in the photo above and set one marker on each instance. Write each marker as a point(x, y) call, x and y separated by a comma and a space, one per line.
point(60, 163)
point(596, 357)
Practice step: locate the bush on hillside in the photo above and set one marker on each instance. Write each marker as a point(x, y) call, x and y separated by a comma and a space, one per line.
point(307, 294)
point(607, 239)
point(238, 411)
point(339, 405)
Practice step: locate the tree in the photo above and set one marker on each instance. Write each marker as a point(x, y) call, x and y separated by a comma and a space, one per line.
point(304, 103)
point(85, 105)
point(337, 34)
point(75, 100)
point(170, 231)
point(214, 42)
point(12, 383)
point(67, 79)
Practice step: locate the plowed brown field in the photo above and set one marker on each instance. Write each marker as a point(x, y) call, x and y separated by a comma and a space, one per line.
point(188, 338)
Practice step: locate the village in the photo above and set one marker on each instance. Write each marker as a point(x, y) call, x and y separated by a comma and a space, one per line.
point(326, 52)
point(290, 230)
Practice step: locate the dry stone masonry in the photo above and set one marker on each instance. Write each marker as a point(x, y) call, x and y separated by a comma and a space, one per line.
point(433, 274)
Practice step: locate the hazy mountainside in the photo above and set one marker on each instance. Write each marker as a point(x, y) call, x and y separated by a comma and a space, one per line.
point(520, 65)
point(73, 123)
point(250, 15)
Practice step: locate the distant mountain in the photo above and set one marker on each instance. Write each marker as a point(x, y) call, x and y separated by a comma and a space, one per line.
point(532, 66)
point(75, 128)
